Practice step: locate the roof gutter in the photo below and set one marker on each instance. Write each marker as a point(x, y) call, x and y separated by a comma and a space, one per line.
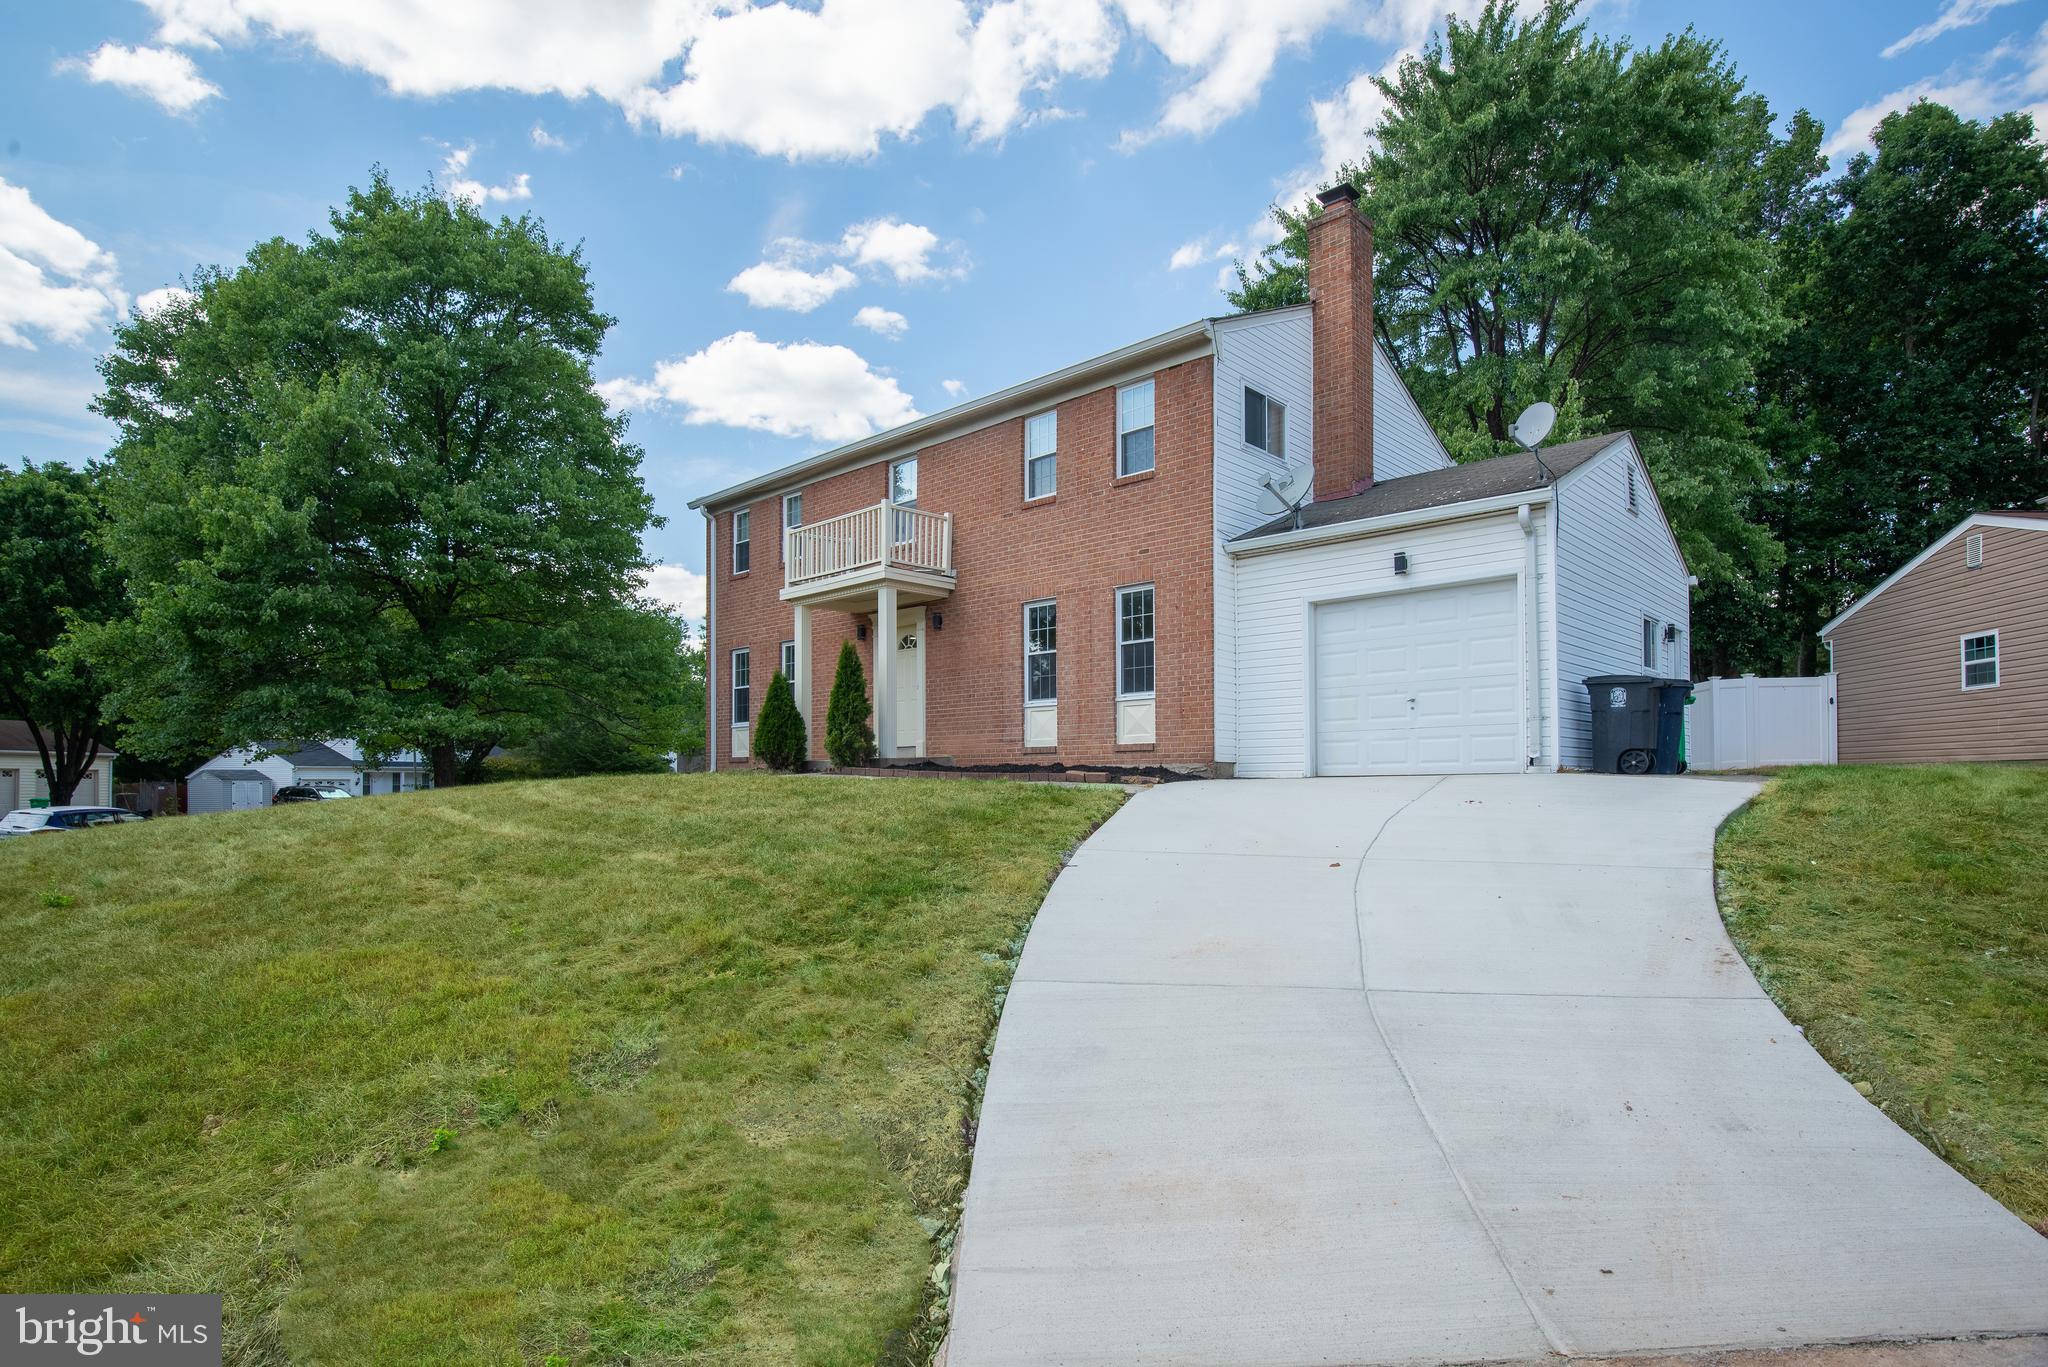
point(1370, 526)
point(1182, 343)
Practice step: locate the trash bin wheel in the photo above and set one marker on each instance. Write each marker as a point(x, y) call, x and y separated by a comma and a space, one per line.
point(1636, 761)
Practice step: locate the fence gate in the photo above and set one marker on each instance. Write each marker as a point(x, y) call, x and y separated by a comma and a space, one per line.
point(1753, 723)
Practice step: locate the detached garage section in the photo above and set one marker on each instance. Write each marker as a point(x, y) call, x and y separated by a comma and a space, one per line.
point(1445, 622)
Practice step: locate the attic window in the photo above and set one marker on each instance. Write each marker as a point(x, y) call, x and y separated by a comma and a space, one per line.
point(1632, 489)
point(1973, 550)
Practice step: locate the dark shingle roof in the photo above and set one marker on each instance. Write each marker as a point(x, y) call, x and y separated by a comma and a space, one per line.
point(1442, 488)
point(15, 735)
point(314, 756)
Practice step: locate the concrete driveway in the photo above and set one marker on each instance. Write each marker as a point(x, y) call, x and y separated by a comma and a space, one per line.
point(1403, 1070)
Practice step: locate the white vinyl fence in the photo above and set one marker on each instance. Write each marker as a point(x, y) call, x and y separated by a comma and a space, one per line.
point(1752, 723)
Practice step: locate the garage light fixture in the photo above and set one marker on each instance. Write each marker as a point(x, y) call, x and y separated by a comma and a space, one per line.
point(1400, 562)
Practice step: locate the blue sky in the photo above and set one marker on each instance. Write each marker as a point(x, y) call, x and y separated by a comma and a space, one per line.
point(809, 220)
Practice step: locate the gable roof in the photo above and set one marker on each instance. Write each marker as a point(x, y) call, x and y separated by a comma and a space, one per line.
point(318, 755)
point(2021, 519)
point(1445, 488)
point(15, 736)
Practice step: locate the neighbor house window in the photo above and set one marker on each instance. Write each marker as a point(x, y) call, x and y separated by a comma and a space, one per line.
point(1265, 423)
point(742, 542)
point(742, 686)
point(1134, 642)
point(1134, 453)
point(1980, 661)
point(1041, 652)
point(789, 660)
point(1649, 643)
point(1973, 550)
point(1041, 447)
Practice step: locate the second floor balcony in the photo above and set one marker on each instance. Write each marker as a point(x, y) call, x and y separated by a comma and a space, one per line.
point(841, 561)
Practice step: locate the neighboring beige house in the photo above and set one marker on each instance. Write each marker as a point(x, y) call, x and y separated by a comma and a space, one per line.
point(21, 772)
point(1948, 658)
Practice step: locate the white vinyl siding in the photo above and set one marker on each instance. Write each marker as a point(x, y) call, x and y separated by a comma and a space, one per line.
point(1276, 596)
point(1614, 569)
point(1135, 432)
point(1403, 443)
point(1041, 455)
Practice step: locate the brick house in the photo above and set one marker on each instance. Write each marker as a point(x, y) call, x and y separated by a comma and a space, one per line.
point(1079, 569)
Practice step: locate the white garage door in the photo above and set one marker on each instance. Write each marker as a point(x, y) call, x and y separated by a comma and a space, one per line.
point(1419, 683)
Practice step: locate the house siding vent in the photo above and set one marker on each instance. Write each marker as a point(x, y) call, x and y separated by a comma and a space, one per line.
point(1973, 550)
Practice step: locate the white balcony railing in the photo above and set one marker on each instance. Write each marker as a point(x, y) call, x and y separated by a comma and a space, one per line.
point(884, 536)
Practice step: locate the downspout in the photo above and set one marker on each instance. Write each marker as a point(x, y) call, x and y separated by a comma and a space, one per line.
point(710, 642)
point(1532, 637)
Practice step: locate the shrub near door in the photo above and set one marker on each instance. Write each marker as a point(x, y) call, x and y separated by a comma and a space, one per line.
point(779, 739)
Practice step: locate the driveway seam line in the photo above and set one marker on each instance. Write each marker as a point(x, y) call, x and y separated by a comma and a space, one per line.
point(1159, 982)
point(1542, 1322)
point(1586, 996)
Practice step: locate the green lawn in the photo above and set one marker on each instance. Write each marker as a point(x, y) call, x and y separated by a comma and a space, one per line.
point(1901, 916)
point(604, 1070)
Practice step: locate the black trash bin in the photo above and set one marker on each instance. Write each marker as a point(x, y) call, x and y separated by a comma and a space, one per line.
point(1638, 723)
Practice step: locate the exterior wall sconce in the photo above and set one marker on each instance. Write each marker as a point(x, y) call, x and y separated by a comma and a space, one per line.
point(938, 621)
point(1670, 632)
point(1400, 562)
point(860, 631)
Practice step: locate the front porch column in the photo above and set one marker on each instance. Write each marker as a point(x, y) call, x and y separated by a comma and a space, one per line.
point(802, 682)
point(885, 671)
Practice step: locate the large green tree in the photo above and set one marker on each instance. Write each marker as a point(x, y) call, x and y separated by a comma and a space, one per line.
point(1910, 392)
point(1560, 217)
point(364, 486)
point(53, 579)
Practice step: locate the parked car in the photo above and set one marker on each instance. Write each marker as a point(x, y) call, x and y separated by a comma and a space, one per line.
point(294, 792)
point(35, 820)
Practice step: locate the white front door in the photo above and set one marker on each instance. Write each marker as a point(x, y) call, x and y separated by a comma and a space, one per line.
point(1424, 682)
point(910, 681)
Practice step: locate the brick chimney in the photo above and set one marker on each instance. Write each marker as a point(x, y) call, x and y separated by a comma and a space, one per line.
point(1340, 299)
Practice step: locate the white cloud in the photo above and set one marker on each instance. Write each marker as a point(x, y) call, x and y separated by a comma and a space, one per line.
point(2010, 76)
point(1954, 15)
point(905, 250)
point(54, 280)
point(793, 389)
point(782, 285)
point(1200, 251)
point(881, 321)
point(954, 388)
point(159, 73)
point(548, 142)
point(463, 187)
point(1021, 46)
point(1230, 46)
point(674, 587)
point(152, 300)
point(48, 394)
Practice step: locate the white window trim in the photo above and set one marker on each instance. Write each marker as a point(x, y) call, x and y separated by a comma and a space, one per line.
point(1153, 691)
point(732, 688)
point(1054, 700)
point(1271, 403)
point(1973, 551)
point(1963, 663)
point(1053, 454)
point(742, 520)
point(785, 660)
point(798, 499)
point(1149, 382)
point(1652, 646)
point(890, 491)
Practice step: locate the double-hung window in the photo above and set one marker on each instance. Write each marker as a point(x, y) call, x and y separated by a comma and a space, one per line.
point(1134, 432)
point(1134, 642)
point(1041, 455)
point(903, 493)
point(1041, 653)
point(789, 660)
point(742, 686)
point(1980, 660)
point(1265, 423)
point(742, 542)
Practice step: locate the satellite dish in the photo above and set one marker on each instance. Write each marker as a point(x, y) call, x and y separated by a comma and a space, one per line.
point(1284, 489)
point(1533, 426)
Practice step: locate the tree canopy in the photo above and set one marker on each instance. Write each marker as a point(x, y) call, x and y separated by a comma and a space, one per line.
point(52, 576)
point(364, 486)
point(1559, 217)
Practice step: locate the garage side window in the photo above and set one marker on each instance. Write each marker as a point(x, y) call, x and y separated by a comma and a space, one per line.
point(1649, 643)
point(1980, 661)
point(1134, 643)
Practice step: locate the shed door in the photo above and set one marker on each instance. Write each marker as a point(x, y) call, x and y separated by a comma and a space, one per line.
point(1426, 682)
point(246, 792)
